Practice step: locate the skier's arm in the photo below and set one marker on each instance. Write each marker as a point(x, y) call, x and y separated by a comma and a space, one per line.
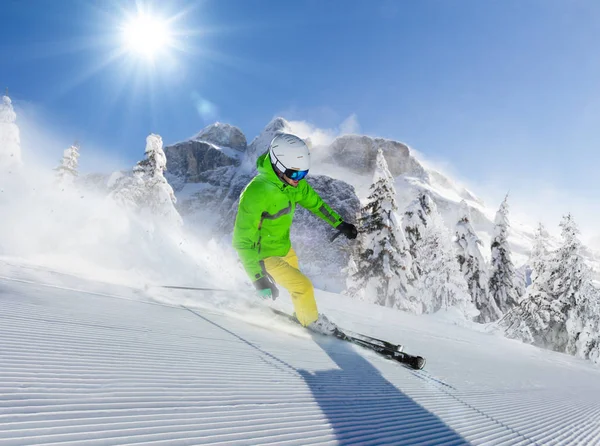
point(246, 237)
point(310, 200)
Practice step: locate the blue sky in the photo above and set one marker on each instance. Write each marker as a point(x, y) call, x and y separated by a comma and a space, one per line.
point(504, 92)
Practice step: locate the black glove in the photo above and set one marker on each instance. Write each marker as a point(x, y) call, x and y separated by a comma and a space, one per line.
point(264, 285)
point(348, 229)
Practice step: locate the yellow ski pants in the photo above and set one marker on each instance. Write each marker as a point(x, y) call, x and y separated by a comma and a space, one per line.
point(286, 273)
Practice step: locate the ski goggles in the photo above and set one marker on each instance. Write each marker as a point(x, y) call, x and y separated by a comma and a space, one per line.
point(295, 175)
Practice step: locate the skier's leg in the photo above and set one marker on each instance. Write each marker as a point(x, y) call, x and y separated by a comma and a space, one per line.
point(286, 273)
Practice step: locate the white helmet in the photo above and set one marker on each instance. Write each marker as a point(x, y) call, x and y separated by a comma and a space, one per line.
point(289, 153)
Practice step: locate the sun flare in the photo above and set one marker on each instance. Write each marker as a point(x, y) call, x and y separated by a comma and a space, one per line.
point(146, 35)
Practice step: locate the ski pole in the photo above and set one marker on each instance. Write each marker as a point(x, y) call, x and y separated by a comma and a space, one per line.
point(173, 287)
point(331, 240)
point(336, 235)
point(193, 288)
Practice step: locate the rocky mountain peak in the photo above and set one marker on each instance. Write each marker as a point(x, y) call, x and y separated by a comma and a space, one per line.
point(260, 144)
point(223, 135)
point(359, 153)
point(278, 124)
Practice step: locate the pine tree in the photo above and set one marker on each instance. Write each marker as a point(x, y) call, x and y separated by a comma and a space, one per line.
point(440, 285)
point(10, 145)
point(570, 283)
point(380, 273)
point(437, 283)
point(67, 171)
point(576, 296)
point(501, 286)
point(540, 253)
point(560, 310)
point(147, 190)
point(473, 267)
point(584, 326)
point(530, 321)
point(417, 217)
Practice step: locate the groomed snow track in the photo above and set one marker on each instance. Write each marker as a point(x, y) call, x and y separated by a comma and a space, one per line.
point(86, 369)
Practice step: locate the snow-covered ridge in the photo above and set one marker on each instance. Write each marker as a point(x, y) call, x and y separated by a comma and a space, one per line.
point(348, 158)
point(356, 153)
point(189, 160)
point(359, 153)
point(223, 135)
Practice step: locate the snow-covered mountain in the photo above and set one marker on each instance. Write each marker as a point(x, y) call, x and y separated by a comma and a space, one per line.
point(261, 142)
point(218, 145)
point(223, 135)
point(210, 170)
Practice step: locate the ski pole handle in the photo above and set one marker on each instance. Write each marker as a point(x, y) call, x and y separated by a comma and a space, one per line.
point(332, 239)
point(355, 233)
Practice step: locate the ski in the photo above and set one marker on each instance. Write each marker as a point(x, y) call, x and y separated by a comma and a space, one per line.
point(353, 334)
point(380, 342)
point(415, 362)
point(384, 348)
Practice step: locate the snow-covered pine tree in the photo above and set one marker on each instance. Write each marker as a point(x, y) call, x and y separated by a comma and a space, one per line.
point(417, 216)
point(473, 267)
point(540, 253)
point(530, 321)
point(147, 190)
point(560, 311)
point(571, 287)
point(67, 171)
point(10, 144)
point(501, 285)
point(584, 326)
point(159, 197)
point(440, 285)
point(383, 264)
point(577, 297)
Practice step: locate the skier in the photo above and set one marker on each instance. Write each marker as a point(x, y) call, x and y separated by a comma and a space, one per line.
point(261, 235)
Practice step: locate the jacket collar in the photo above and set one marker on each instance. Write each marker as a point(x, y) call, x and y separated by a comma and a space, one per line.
point(265, 169)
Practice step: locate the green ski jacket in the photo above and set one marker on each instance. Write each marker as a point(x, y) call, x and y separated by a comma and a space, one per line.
point(265, 214)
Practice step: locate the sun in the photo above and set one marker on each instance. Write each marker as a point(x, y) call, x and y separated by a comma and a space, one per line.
point(147, 35)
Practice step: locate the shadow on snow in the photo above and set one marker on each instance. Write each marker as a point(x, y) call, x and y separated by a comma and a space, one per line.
point(364, 408)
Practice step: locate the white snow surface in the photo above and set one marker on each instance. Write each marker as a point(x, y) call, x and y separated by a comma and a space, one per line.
point(86, 362)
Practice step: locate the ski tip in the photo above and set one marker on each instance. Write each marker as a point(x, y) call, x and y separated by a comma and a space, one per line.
point(418, 363)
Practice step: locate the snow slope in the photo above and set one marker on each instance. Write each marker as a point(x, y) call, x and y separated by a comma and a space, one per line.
point(86, 362)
